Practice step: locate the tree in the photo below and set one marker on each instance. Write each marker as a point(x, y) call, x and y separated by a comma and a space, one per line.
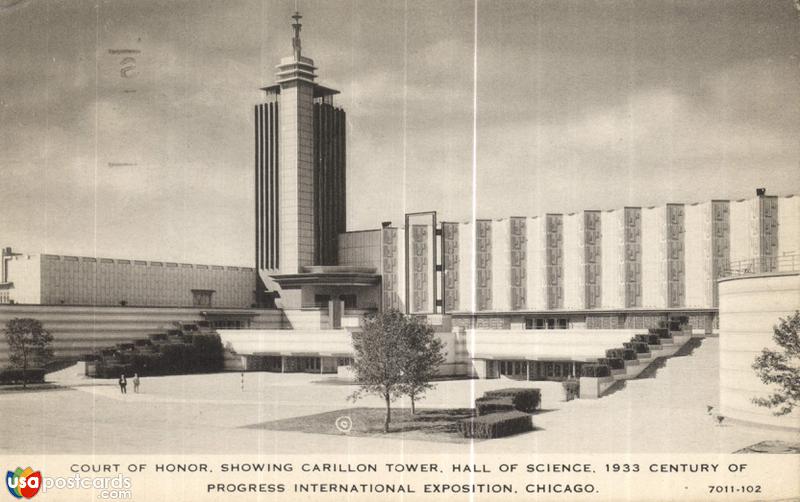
point(781, 368)
point(29, 344)
point(425, 357)
point(395, 355)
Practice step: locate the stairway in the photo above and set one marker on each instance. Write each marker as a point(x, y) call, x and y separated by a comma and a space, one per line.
point(690, 380)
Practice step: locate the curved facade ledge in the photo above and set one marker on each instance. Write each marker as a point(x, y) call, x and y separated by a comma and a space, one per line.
point(750, 306)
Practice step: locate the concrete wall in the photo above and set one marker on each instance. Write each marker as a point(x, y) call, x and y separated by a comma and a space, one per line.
point(328, 343)
point(744, 230)
point(569, 344)
point(25, 271)
point(612, 249)
point(697, 243)
point(574, 293)
point(501, 264)
point(360, 249)
point(789, 225)
point(537, 280)
point(672, 258)
point(466, 280)
point(654, 273)
point(80, 330)
point(749, 308)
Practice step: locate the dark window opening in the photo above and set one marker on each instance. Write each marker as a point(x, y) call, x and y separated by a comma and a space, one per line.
point(349, 301)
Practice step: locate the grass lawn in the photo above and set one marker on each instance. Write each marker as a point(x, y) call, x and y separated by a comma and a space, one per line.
point(426, 425)
point(771, 447)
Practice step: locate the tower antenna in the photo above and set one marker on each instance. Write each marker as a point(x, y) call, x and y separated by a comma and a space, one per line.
point(296, 39)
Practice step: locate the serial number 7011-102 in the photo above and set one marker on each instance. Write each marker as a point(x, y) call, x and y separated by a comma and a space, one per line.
point(734, 489)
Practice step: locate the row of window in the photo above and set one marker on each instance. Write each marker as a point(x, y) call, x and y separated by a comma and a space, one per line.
point(321, 301)
point(547, 323)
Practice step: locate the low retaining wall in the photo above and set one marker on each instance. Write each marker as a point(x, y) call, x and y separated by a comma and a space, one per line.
point(79, 330)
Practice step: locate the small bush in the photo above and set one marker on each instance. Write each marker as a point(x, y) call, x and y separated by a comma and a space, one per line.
point(660, 332)
point(612, 363)
point(495, 425)
point(638, 347)
point(648, 339)
point(10, 376)
point(624, 354)
point(157, 337)
point(595, 370)
point(487, 405)
point(524, 399)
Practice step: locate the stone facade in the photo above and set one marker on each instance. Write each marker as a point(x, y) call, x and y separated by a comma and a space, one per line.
point(79, 280)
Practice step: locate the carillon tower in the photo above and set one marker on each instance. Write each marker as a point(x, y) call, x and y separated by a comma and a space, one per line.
point(300, 171)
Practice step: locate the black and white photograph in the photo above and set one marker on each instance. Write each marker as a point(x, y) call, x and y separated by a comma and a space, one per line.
point(400, 250)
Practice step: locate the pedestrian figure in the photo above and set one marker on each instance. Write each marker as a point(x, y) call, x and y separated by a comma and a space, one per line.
point(123, 384)
point(136, 383)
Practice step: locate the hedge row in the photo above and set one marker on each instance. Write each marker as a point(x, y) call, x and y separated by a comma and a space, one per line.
point(638, 347)
point(487, 405)
point(625, 354)
point(524, 399)
point(595, 370)
point(612, 363)
point(495, 425)
point(659, 332)
point(203, 353)
point(648, 339)
point(10, 376)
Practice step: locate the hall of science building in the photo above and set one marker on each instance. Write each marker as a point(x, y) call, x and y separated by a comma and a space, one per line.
point(549, 287)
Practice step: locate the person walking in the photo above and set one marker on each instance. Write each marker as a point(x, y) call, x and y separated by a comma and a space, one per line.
point(136, 383)
point(123, 384)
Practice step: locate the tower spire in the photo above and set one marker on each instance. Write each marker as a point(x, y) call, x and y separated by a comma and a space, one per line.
point(296, 39)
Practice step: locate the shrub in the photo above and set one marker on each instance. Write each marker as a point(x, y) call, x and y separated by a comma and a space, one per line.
point(660, 332)
point(612, 363)
point(103, 370)
point(524, 399)
point(648, 339)
point(638, 347)
point(487, 405)
point(495, 425)
point(572, 389)
point(209, 353)
point(157, 337)
point(595, 370)
point(626, 354)
point(10, 376)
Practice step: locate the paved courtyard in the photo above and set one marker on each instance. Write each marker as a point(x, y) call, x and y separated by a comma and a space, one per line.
point(207, 413)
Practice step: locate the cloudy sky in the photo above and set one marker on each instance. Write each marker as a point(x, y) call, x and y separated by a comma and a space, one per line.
point(580, 105)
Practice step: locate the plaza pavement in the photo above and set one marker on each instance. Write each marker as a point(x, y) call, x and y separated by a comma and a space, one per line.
point(193, 414)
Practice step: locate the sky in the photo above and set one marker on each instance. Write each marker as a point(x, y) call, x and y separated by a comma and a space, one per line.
point(126, 127)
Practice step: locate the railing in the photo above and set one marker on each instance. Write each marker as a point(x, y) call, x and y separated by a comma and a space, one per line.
point(762, 265)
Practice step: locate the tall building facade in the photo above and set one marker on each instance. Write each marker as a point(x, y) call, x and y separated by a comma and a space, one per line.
point(300, 146)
